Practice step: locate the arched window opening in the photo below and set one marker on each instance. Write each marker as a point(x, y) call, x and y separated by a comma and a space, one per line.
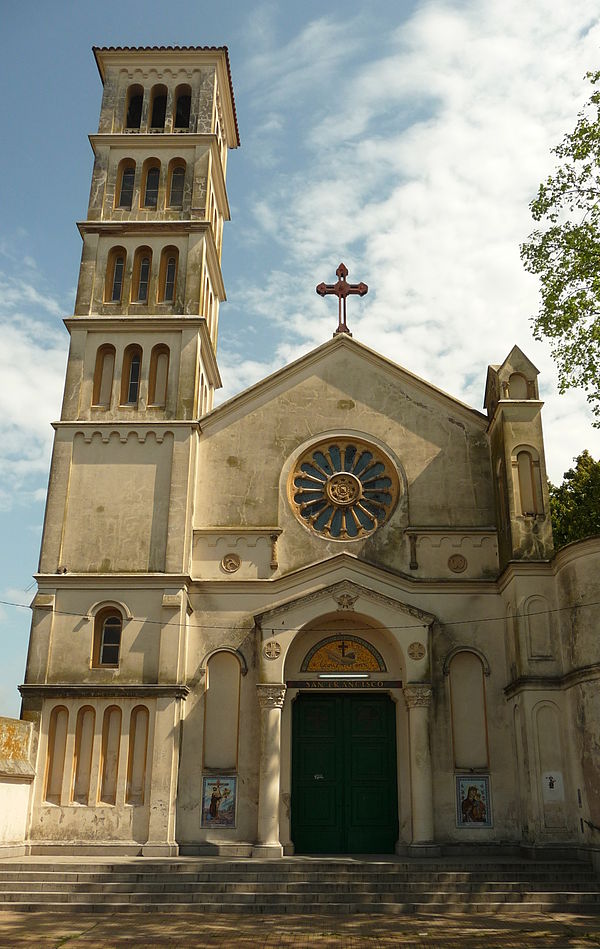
point(130, 377)
point(103, 375)
point(151, 183)
point(82, 764)
point(57, 746)
point(135, 99)
point(527, 492)
point(202, 395)
point(111, 742)
point(168, 275)
point(221, 714)
point(159, 373)
point(176, 183)
point(158, 108)
point(125, 182)
point(115, 273)
point(183, 103)
point(517, 386)
point(142, 268)
point(108, 626)
point(136, 755)
point(469, 718)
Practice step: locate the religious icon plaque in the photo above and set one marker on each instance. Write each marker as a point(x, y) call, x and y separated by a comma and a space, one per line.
point(473, 801)
point(219, 795)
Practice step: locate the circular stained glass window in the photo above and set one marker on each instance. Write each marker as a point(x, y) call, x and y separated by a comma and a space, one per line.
point(343, 489)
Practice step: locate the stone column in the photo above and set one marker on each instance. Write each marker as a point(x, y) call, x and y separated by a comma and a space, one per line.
point(270, 699)
point(418, 701)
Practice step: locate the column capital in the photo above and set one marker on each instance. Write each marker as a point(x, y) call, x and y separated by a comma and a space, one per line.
point(417, 695)
point(271, 695)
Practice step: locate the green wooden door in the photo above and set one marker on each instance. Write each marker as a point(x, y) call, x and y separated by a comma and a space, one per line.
point(344, 791)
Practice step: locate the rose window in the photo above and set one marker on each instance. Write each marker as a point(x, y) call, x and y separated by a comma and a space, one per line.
point(343, 490)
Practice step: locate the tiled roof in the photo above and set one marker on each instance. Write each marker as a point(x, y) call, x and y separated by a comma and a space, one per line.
point(177, 49)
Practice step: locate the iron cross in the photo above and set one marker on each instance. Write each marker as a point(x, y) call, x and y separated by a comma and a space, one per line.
point(342, 289)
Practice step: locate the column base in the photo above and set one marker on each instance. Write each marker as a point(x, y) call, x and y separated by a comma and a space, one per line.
point(267, 850)
point(160, 850)
point(424, 850)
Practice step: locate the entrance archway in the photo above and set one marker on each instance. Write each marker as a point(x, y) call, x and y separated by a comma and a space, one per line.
point(344, 787)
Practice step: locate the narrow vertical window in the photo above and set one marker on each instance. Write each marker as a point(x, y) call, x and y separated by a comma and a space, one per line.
point(115, 273)
point(111, 743)
point(136, 756)
point(526, 483)
point(142, 268)
point(130, 377)
point(176, 183)
point(84, 743)
point(125, 182)
point(151, 186)
point(103, 376)
point(183, 103)
point(107, 638)
point(159, 372)
point(57, 746)
point(159, 107)
point(168, 275)
point(135, 99)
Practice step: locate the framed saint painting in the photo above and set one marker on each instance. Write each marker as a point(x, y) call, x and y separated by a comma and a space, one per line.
point(473, 802)
point(218, 801)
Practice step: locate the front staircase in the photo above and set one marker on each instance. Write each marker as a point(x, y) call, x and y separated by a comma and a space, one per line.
point(297, 885)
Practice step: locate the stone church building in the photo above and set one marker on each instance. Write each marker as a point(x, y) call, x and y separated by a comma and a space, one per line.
point(323, 617)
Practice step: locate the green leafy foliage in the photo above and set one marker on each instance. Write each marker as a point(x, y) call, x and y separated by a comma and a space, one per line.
point(575, 504)
point(565, 255)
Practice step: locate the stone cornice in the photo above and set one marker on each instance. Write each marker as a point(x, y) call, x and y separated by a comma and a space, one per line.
point(159, 321)
point(78, 690)
point(49, 582)
point(134, 226)
point(209, 358)
point(549, 683)
point(163, 425)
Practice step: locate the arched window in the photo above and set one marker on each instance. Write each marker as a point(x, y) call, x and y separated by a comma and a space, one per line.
point(151, 181)
point(57, 746)
point(517, 386)
point(111, 743)
point(469, 719)
point(136, 755)
point(142, 268)
point(108, 626)
point(158, 107)
point(527, 487)
point(168, 275)
point(176, 183)
point(221, 714)
point(133, 114)
point(159, 373)
point(183, 102)
point(130, 376)
point(115, 273)
point(103, 375)
point(125, 182)
point(82, 763)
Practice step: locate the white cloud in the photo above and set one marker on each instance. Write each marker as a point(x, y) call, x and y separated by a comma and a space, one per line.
point(418, 176)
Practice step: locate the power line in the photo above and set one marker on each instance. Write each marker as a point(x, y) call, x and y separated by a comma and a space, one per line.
point(283, 629)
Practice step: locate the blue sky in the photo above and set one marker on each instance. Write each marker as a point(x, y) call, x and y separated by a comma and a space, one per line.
point(406, 139)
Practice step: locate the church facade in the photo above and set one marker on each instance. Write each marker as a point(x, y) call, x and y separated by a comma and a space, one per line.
point(324, 617)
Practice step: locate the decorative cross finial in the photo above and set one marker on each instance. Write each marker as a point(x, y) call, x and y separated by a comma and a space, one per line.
point(342, 289)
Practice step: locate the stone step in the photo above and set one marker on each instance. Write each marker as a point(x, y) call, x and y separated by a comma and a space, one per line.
point(265, 908)
point(221, 886)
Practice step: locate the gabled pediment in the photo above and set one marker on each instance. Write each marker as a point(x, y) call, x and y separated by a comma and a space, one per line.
point(324, 361)
point(344, 597)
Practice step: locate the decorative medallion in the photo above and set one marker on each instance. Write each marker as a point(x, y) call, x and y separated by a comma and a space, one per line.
point(345, 601)
point(272, 649)
point(416, 650)
point(343, 654)
point(343, 490)
point(230, 563)
point(457, 563)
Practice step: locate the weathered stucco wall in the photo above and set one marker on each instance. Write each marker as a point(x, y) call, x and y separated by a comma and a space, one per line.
point(16, 776)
